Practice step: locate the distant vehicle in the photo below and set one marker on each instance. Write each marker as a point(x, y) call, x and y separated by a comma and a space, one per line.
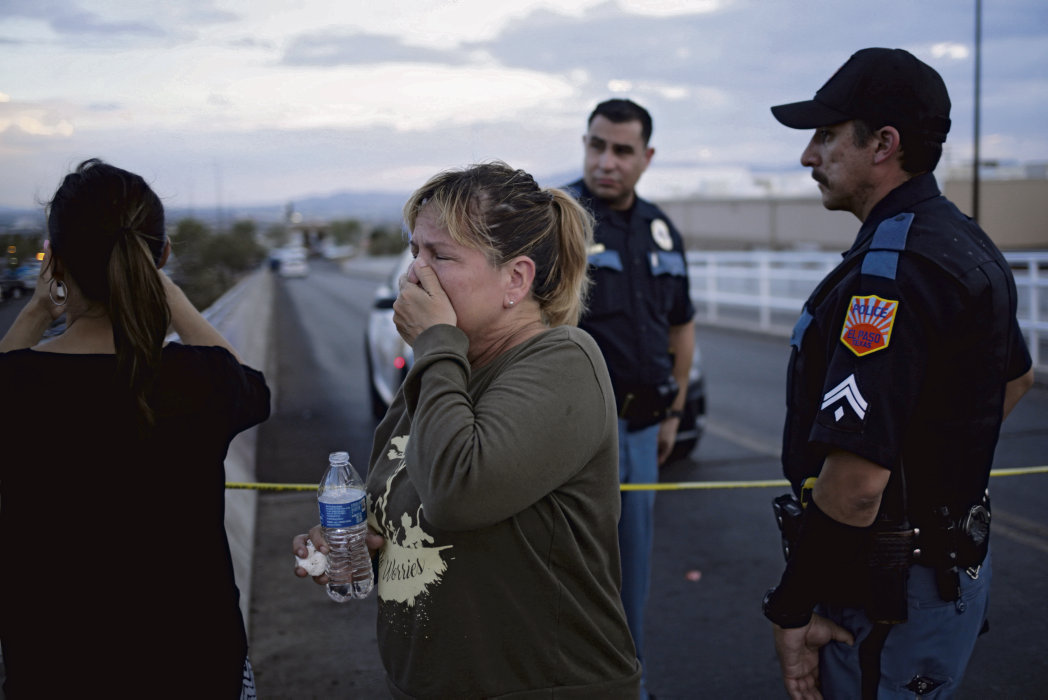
point(10, 287)
point(20, 281)
point(389, 358)
point(293, 262)
point(334, 251)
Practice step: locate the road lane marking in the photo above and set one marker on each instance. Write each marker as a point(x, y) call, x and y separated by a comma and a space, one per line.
point(749, 442)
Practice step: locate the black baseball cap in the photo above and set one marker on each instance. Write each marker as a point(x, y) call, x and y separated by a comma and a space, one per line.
point(885, 87)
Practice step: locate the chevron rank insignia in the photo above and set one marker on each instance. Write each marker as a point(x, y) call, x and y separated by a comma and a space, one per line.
point(868, 325)
point(845, 394)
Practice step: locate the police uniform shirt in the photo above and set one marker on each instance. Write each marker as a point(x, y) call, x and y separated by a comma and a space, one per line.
point(640, 289)
point(903, 352)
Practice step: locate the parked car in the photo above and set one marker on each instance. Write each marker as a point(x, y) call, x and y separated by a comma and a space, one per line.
point(10, 286)
point(389, 358)
point(20, 281)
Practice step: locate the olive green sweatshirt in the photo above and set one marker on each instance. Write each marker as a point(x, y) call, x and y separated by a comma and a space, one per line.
point(497, 491)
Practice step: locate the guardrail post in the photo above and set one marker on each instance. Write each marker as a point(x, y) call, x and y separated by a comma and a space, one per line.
point(1033, 267)
point(764, 290)
point(711, 286)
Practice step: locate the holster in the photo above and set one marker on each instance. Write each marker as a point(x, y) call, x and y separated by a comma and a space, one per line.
point(644, 405)
point(956, 543)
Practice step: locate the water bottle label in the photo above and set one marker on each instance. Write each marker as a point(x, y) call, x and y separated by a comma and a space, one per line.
point(343, 513)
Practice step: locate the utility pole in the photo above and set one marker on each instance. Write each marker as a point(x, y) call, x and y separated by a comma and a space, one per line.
point(978, 72)
point(219, 214)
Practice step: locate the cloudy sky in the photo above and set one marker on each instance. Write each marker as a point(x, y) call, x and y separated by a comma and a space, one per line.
point(266, 101)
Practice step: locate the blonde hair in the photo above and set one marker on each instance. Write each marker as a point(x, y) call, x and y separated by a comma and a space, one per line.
point(504, 213)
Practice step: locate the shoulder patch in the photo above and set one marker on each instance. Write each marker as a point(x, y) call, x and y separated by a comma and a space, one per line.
point(868, 324)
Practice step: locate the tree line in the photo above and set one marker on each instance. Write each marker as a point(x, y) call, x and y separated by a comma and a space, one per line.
point(206, 263)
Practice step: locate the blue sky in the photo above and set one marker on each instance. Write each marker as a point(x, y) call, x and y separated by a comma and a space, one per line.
point(266, 101)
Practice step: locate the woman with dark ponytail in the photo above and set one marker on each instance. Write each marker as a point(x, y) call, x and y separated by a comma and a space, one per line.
point(117, 576)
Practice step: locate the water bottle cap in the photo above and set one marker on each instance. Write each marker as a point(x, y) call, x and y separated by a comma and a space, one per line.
point(338, 458)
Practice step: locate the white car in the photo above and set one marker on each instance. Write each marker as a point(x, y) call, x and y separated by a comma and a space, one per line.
point(389, 358)
point(293, 262)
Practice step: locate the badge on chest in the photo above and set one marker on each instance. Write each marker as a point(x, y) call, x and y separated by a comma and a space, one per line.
point(660, 233)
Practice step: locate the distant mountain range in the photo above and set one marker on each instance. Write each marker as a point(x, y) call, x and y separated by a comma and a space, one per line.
point(371, 207)
point(671, 180)
point(368, 207)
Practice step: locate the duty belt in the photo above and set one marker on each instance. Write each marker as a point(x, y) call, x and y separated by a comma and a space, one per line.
point(950, 545)
point(645, 405)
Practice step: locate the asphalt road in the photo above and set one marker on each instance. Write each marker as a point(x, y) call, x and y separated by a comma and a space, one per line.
point(303, 645)
point(716, 549)
point(9, 309)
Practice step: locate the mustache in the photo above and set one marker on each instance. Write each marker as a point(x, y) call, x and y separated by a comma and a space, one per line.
point(819, 178)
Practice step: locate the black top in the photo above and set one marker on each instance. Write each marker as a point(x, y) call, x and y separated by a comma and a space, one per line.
point(903, 352)
point(640, 289)
point(116, 571)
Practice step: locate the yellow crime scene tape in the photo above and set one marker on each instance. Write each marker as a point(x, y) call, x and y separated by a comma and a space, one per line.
point(680, 486)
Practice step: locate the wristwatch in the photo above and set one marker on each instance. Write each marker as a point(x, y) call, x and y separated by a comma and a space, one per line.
point(674, 413)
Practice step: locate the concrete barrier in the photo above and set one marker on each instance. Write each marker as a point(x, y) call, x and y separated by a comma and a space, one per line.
point(244, 317)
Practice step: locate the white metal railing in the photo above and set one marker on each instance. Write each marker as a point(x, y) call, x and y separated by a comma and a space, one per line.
point(764, 290)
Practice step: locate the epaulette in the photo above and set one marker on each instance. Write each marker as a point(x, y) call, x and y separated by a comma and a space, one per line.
point(882, 258)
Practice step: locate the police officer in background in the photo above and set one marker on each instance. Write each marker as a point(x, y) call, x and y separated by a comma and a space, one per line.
point(906, 359)
point(640, 314)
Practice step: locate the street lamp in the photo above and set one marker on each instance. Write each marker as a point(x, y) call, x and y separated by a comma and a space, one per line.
point(978, 71)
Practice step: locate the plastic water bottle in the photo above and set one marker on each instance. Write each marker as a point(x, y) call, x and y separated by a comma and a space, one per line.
point(343, 515)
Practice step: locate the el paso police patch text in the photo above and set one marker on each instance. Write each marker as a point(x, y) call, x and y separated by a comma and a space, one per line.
point(868, 324)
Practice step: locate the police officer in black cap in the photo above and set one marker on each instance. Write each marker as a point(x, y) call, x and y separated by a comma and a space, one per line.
point(905, 360)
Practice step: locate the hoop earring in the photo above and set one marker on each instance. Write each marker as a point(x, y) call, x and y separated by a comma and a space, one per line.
point(61, 293)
